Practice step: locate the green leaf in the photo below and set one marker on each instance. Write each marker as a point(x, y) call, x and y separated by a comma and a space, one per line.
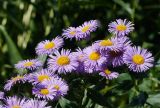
point(65, 103)
point(154, 100)
point(124, 84)
point(123, 77)
point(98, 98)
point(145, 85)
point(12, 49)
point(139, 100)
point(125, 6)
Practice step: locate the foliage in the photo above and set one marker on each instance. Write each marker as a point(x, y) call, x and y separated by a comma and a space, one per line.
point(24, 23)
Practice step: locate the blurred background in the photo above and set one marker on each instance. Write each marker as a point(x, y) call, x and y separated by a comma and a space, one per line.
point(24, 23)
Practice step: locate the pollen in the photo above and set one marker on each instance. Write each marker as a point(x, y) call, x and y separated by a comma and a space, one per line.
point(138, 59)
point(27, 64)
point(106, 43)
point(85, 28)
point(17, 78)
point(72, 33)
point(121, 27)
point(57, 87)
point(42, 77)
point(44, 91)
point(107, 72)
point(94, 56)
point(63, 60)
point(49, 45)
point(16, 106)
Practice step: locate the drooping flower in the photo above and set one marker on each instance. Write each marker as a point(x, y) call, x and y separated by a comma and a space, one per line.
point(108, 74)
point(109, 44)
point(47, 47)
point(79, 54)
point(71, 32)
point(121, 27)
point(93, 58)
point(59, 85)
point(62, 62)
point(30, 64)
point(44, 92)
point(115, 58)
point(14, 102)
point(138, 59)
point(14, 80)
point(87, 27)
point(40, 76)
point(34, 103)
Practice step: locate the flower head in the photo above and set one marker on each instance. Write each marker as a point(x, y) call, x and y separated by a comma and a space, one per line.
point(13, 81)
point(71, 32)
point(93, 58)
point(40, 76)
point(87, 27)
point(62, 62)
point(121, 27)
point(108, 74)
point(44, 92)
point(59, 85)
point(109, 44)
point(138, 59)
point(47, 47)
point(34, 103)
point(14, 102)
point(29, 64)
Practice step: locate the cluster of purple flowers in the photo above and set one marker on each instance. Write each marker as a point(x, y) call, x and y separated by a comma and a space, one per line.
point(99, 57)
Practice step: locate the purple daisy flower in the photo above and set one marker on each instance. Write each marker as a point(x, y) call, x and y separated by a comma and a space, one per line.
point(40, 76)
point(14, 102)
point(71, 32)
point(13, 81)
point(29, 64)
point(34, 103)
point(109, 44)
point(108, 74)
point(62, 62)
point(93, 58)
point(121, 27)
point(47, 47)
point(116, 57)
point(138, 59)
point(87, 27)
point(59, 85)
point(44, 91)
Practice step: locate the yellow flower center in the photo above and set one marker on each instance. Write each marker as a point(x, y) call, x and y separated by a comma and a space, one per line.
point(57, 87)
point(49, 45)
point(44, 91)
point(138, 59)
point(17, 78)
point(94, 56)
point(106, 43)
point(27, 64)
point(107, 71)
point(85, 28)
point(42, 77)
point(72, 32)
point(63, 60)
point(121, 27)
point(16, 106)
